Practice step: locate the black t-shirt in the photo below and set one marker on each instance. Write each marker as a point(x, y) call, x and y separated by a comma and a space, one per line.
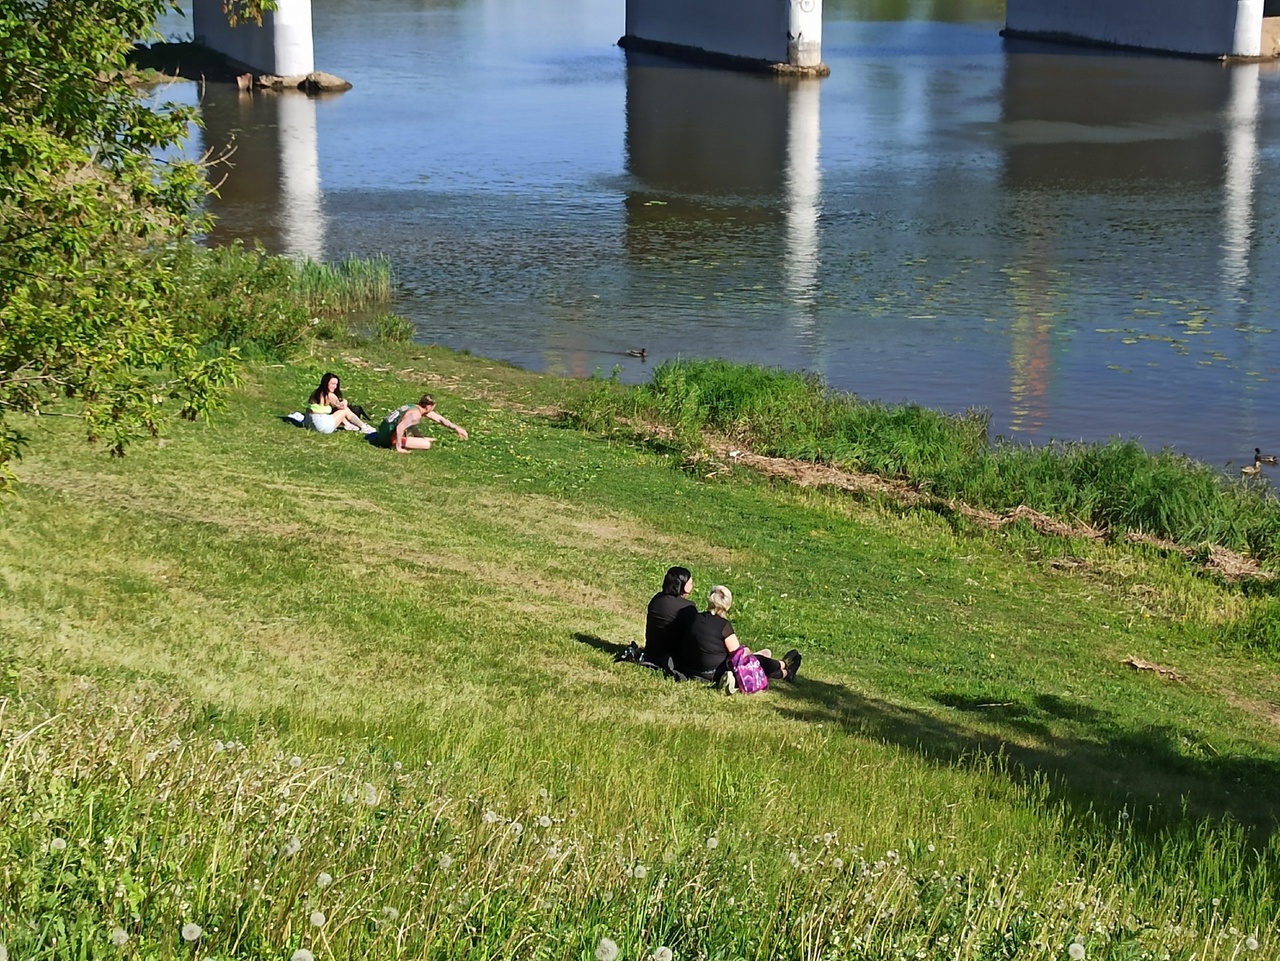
point(667, 619)
point(701, 651)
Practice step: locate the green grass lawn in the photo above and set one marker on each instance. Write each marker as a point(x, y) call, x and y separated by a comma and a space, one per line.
point(253, 658)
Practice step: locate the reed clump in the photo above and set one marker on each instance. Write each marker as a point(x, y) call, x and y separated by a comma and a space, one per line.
point(269, 306)
point(1116, 486)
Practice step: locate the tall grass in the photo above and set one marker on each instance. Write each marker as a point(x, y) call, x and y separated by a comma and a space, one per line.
point(268, 306)
point(355, 284)
point(140, 833)
point(1116, 486)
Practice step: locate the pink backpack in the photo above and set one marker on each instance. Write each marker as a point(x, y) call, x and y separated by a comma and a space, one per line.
point(747, 671)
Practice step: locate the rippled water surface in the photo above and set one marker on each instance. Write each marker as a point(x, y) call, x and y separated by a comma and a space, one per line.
point(1080, 242)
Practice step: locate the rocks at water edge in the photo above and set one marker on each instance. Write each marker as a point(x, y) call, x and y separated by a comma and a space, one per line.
point(315, 82)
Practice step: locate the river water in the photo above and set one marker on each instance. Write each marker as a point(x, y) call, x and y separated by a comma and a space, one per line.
point(1080, 242)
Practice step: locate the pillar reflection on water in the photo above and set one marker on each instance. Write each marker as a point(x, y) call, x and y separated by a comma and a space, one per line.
point(725, 169)
point(1115, 142)
point(270, 182)
point(1239, 172)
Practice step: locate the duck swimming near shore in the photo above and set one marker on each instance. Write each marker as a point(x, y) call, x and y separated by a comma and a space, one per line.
point(1251, 469)
point(1261, 458)
point(640, 352)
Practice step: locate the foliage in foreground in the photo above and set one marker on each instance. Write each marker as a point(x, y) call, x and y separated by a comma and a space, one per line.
point(124, 835)
point(1116, 487)
point(83, 203)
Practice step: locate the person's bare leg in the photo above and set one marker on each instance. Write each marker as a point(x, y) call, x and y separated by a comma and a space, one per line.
point(418, 443)
point(344, 415)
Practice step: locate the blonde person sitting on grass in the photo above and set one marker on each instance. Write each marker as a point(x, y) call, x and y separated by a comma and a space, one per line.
point(401, 431)
point(327, 409)
point(709, 639)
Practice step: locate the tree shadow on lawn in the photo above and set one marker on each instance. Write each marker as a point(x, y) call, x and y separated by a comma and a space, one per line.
point(1103, 766)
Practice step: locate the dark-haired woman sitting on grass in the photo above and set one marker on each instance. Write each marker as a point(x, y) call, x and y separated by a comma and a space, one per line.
point(704, 650)
point(667, 618)
point(401, 431)
point(327, 410)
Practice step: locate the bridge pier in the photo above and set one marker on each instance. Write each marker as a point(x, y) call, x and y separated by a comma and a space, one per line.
point(1221, 29)
point(282, 46)
point(781, 36)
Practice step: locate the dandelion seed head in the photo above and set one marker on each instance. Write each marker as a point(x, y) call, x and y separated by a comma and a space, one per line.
point(662, 954)
point(391, 914)
point(1217, 901)
point(119, 937)
point(517, 828)
point(317, 919)
point(302, 954)
point(292, 847)
point(370, 795)
point(58, 844)
point(544, 821)
point(838, 864)
point(713, 842)
point(606, 950)
point(669, 856)
point(325, 879)
point(793, 859)
point(639, 872)
point(1251, 943)
point(397, 765)
point(445, 861)
point(1075, 951)
point(542, 792)
point(295, 761)
point(341, 760)
point(191, 931)
point(490, 816)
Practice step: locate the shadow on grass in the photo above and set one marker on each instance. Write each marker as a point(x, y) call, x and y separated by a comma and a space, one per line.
point(600, 644)
point(1102, 766)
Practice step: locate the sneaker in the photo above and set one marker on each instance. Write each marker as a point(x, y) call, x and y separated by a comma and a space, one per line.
point(792, 660)
point(728, 683)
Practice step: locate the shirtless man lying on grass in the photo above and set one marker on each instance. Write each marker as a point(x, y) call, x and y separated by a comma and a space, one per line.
point(401, 431)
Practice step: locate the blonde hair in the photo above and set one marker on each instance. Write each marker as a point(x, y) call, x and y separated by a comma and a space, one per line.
point(720, 599)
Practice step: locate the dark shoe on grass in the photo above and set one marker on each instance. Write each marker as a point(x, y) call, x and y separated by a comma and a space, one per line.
point(792, 660)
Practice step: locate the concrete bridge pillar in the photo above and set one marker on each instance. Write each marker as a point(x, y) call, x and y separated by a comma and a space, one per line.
point(1199, 28)
point(282, 46)
point(781, 36)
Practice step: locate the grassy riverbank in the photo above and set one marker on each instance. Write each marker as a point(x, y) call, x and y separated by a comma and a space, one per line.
point(311, 696)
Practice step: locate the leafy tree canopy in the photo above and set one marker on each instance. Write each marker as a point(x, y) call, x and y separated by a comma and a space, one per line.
point(90, 208)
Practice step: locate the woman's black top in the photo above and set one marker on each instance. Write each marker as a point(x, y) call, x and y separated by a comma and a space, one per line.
point(701, 651)
point(667, 620)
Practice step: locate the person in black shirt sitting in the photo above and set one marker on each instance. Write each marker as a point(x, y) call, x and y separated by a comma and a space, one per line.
point(668, 617)
point(704, 650)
